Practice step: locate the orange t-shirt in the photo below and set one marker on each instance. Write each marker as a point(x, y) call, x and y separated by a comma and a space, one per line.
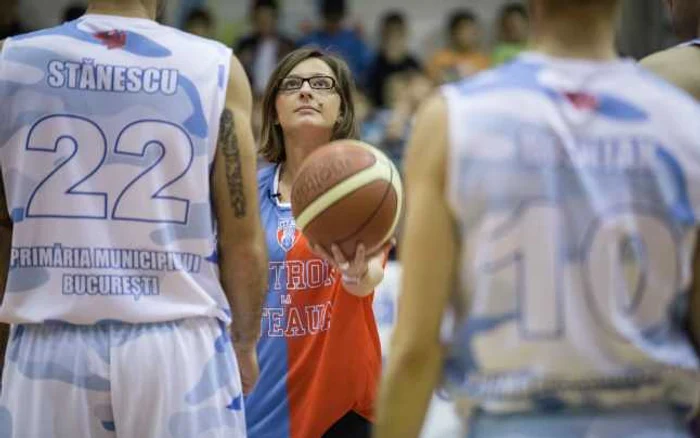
point(319, 352)
point(448, 65)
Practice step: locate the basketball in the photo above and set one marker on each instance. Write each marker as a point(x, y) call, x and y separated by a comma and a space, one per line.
point(347, 193)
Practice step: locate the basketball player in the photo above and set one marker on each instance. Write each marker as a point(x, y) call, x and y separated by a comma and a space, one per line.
point(130, 199)
point(563, 203)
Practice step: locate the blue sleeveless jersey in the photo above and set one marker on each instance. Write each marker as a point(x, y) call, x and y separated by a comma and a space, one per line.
point(576, 186)
point(108, 130)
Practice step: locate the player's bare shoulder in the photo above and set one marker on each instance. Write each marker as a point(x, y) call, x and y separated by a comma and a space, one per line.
point(679, 66)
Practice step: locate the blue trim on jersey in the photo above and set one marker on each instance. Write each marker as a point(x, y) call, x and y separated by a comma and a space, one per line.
point(679, 202)
point(28, 54)
point(267, 408)
point(222, 76)
point(523, 74)
point(109, 426)
point(135, 43)
point(5, 422)
point(616, 108)
point(17, 214)
point(213, 258)
point(196, 124)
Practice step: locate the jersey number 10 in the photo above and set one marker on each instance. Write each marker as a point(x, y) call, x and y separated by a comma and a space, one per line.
point(627, 267)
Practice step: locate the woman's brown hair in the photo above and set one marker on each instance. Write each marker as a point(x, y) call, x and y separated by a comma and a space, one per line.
point(271, 136)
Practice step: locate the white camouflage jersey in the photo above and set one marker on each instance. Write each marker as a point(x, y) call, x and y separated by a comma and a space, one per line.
point(576, 186)
point(108, 130)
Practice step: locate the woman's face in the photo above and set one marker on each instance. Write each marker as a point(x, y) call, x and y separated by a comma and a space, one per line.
point(307, 98)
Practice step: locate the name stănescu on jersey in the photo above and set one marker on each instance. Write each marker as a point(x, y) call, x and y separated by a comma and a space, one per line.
point(106, 156)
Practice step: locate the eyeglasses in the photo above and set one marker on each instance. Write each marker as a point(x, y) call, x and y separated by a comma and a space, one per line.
point(319, 82)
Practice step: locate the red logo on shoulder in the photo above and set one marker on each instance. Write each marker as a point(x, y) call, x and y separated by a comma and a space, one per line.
point(113, 39)
point(582, 101)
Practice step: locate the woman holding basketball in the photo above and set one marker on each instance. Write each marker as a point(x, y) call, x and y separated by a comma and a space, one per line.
point(319, 352)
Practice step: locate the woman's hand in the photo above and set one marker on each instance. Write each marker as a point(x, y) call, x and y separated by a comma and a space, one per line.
point(352, 271)
point(361, 275)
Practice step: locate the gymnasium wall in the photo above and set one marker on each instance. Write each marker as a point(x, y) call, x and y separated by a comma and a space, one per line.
point(426, 18)
point(644, 27)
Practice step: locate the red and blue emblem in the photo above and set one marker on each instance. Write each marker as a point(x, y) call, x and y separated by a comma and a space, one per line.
point(287, 233)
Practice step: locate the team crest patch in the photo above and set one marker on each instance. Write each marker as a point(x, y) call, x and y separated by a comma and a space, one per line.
point(287, 233)
point(113, 39)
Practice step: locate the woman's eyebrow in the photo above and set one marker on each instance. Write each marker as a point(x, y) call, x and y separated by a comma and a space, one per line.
point(311, 75)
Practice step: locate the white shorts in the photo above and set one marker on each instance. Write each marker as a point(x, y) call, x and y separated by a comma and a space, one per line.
point(166, 380)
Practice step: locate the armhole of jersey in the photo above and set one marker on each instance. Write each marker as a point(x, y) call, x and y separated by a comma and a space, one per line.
point(3, 48)
point(451, 162)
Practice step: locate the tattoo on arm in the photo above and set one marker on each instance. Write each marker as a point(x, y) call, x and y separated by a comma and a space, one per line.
point(228, 142)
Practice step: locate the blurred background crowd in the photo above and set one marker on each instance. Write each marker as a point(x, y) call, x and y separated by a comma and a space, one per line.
point(397, 59)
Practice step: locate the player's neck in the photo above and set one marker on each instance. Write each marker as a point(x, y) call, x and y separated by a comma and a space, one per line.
point(297, 149)
point(596, 42)
point(122, 8)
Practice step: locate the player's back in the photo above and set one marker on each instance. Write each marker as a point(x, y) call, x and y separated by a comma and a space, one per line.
point(107, 135)
point(575, 185)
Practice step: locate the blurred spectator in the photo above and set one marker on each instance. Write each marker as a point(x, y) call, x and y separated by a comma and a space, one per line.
point(363, 106)
point(264, 47)
point(73, 12)
point(10, 24)
point(512, 33)
point(462, 57)
point(388, 128)
point(162, 12)
point(200, 22)
point(393, 56)
point(332, 36)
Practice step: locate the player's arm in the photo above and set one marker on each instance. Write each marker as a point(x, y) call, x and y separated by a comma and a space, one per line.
point(677, 66)
point(5, 246)
point(694, 315)
point(242, 252)
point(428, 256)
